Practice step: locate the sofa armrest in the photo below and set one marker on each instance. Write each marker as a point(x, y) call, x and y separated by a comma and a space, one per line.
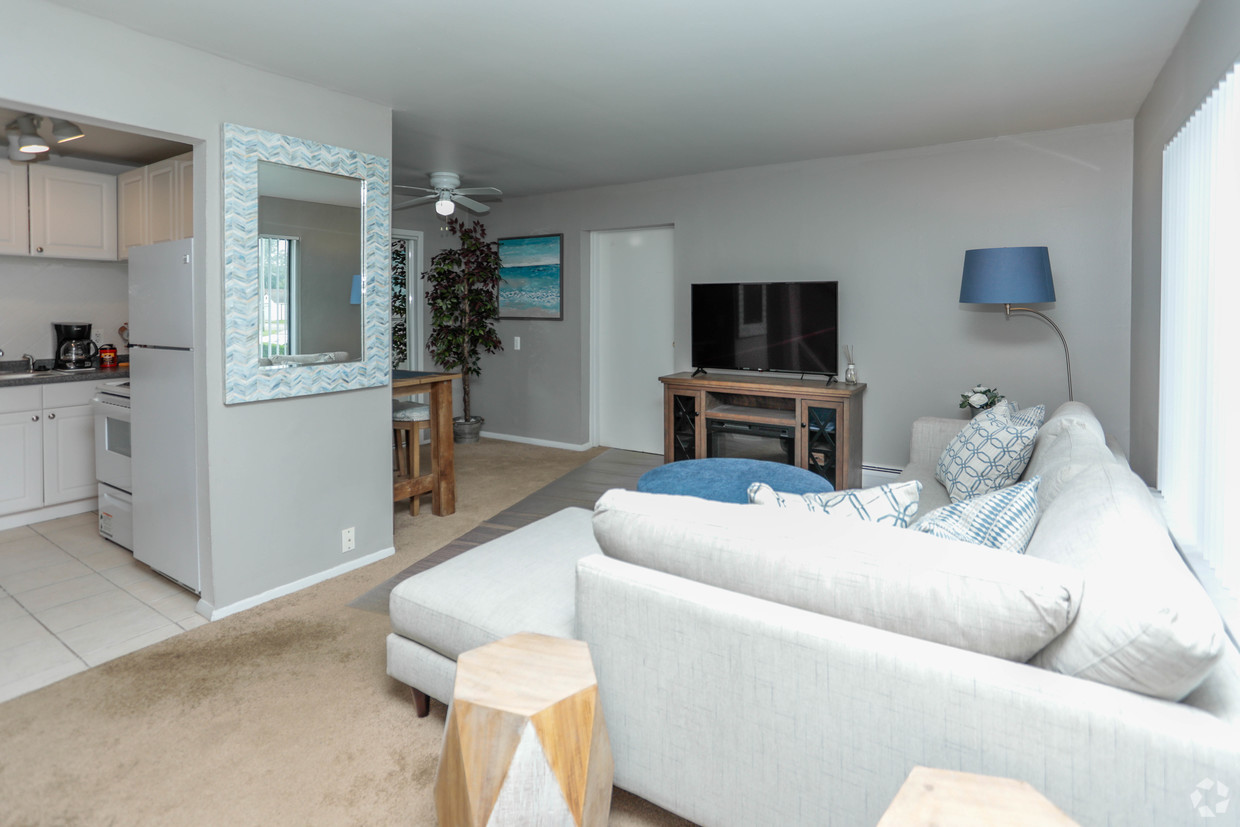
point(931, 434)
point(732, 710)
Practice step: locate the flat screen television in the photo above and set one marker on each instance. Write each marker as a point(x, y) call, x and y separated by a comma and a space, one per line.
point(778, 326)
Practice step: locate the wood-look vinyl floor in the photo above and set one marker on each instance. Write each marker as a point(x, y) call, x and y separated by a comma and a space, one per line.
point(578, 488)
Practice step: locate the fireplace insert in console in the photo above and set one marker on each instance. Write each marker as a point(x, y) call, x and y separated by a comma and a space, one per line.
point(750, 440)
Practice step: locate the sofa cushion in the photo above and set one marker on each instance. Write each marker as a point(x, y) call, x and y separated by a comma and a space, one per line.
point(892, 504)
point(1066, 446)
point(988, 454)
point(1002, 519)
point(467, 601)
point(1145, 623)
point(945, 591)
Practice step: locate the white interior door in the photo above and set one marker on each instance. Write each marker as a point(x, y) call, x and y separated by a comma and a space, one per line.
point(633, 281)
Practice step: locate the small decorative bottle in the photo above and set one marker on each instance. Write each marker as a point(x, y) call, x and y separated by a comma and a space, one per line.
point(850, 372)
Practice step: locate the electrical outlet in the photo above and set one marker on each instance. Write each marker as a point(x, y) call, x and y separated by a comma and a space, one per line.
point(516, 342)
point(97, 336)
point(348, 539)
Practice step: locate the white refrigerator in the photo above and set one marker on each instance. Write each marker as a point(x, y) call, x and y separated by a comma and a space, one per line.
point(162, 400)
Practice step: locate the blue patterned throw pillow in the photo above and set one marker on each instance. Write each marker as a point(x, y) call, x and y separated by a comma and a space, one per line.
point(893, 504)
point(989, 453)
point(1034, 416)
point(1004, 519)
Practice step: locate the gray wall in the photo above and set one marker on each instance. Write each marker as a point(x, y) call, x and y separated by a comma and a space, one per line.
point(892, 228)
point(1208, 48)
point(284, 476)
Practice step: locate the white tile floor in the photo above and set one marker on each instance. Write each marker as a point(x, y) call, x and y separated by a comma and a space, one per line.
point(70, 600)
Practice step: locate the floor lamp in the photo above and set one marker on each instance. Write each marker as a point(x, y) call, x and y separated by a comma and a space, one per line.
point(1011, 275)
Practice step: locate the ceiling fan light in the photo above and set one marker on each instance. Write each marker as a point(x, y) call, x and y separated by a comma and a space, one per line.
point(64, 131)
point(444, 205)
point(30, 140)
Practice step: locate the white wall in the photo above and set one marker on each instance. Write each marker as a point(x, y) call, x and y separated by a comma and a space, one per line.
point(34, 292)
point(284, 476)
point(1208, 48)
point(892, 228)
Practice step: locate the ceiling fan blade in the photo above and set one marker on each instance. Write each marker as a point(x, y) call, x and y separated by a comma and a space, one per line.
point(471, 205)
point(412, 189)
point(478, 191)
point(425, 199)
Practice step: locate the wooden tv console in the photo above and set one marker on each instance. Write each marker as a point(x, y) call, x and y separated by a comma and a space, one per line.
point(818, 424)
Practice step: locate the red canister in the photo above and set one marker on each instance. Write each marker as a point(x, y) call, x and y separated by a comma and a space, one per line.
point(107, 356)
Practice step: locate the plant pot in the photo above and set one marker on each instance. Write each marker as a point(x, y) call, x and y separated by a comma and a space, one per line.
point(466, 430)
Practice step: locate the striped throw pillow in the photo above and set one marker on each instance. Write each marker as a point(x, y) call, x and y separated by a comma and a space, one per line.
point(893, 504)
point(1004, 519)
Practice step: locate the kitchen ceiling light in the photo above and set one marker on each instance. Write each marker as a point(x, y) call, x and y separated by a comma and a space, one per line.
point(444, 205)
point(15, 153)
point(64, 131)
point(30, 140)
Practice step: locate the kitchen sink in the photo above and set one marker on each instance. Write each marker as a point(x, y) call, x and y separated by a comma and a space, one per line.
point(19, 374)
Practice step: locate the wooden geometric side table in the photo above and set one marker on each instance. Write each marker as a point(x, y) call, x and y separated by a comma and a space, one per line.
point(964, 799)
point(525, 742)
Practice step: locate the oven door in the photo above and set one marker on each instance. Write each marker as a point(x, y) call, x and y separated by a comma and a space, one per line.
point(112, 445)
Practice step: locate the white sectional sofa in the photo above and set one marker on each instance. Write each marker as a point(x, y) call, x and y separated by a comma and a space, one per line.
point(760, 667)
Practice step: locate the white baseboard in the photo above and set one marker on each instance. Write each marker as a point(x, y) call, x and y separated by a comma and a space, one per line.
point(211, 613)
point(872, 475)
point(546, 443)
point(51, 512)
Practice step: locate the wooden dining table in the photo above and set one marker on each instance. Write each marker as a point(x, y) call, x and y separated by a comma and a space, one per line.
point(441, 481)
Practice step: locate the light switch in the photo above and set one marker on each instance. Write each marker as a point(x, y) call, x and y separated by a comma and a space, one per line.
point(516, 342)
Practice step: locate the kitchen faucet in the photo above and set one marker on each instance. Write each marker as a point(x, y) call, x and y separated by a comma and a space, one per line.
point(29, 362)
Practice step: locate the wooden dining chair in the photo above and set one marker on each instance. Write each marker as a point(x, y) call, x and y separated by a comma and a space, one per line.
point(409, 420)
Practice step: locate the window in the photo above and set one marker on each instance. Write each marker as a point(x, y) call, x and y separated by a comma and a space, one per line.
point(277, 274)
point(1198, 450)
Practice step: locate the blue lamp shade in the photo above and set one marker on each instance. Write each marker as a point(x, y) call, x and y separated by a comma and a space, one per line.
point(355, 295)
point(1007, 275)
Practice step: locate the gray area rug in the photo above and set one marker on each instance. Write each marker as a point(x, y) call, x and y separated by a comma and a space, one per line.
point(578, 488)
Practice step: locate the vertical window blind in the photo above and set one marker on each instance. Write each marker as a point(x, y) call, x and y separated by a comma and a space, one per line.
point(1198, 451)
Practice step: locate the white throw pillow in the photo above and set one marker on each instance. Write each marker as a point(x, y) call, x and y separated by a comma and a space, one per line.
point(1006, 605)
point(988, 454)
point(1003, 519)
point(893, 504)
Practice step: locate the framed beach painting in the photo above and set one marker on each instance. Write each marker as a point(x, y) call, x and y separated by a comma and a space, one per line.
point(532, 269)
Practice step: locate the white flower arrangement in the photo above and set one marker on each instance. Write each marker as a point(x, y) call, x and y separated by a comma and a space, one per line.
point(980, 398)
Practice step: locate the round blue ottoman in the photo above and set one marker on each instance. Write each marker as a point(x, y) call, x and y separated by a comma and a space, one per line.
point(728, 480)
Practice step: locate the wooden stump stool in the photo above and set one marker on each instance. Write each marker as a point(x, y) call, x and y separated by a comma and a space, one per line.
point(525, 741)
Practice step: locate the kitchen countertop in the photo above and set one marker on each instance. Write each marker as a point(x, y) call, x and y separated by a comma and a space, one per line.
point(50, 377)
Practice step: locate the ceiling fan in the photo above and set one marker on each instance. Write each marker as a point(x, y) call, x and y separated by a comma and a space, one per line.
point(444, 191)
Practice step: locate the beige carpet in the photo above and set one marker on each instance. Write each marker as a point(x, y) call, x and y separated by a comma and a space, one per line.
point(282, 714)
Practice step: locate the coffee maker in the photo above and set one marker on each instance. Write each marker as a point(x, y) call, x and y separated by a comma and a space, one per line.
point(74, 348)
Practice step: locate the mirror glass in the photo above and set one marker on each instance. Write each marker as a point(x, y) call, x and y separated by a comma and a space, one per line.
point(309, 258)
point(306, 267)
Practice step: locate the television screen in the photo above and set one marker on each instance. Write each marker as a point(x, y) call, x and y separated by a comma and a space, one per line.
point(779, 326)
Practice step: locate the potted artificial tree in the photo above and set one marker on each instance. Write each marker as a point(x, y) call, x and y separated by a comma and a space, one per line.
point(463, 295)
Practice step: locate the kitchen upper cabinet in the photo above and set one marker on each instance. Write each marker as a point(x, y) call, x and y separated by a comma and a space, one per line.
point(14, 228)
point(72, 213)
point(156, 203)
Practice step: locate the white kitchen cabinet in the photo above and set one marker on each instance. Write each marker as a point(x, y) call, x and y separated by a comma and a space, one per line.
point(14, 221)
point(47, 446)
point(72, 213)
point(156, 203)
point(21, 449)
point(68, 454)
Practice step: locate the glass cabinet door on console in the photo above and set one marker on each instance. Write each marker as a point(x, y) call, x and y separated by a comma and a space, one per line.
point(683, 437)
point(819, 424)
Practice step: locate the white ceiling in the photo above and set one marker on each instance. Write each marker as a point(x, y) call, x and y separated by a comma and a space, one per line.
point(549, 95)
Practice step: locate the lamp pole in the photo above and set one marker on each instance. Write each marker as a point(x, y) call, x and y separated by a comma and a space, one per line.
point(1008, 310)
